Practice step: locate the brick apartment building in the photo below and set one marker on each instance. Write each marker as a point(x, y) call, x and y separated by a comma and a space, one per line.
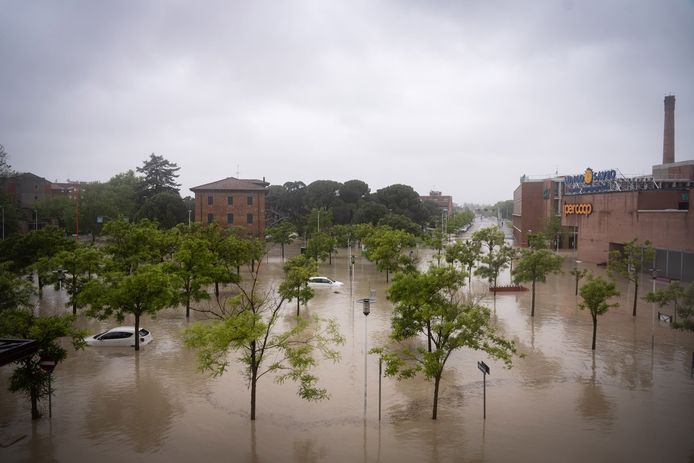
point(233, 202)
point(442, 201)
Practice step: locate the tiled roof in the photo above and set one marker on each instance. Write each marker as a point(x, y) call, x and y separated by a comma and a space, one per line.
point(234, 184)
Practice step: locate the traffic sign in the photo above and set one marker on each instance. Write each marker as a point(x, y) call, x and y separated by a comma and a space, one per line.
point(483, 367)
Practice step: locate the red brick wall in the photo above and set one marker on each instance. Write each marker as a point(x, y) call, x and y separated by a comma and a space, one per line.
point(240, 208)
point(616, 219)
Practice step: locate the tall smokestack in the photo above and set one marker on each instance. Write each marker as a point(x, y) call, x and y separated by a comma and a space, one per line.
point(669, 130)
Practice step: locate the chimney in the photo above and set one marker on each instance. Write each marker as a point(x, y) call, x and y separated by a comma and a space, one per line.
point(669, 131)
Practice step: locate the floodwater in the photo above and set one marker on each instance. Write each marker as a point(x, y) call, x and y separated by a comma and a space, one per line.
point(561, 402)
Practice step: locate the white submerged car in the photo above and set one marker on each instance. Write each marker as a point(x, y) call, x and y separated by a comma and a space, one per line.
point(324, 282)
point(123, 336)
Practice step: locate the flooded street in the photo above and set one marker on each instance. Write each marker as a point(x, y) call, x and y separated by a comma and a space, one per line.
point(626, 402)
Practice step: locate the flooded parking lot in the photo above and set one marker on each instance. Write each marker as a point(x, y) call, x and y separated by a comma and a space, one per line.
point(628, 401)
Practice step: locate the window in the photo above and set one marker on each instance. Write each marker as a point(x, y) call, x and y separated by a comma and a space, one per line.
point(249, 219)
point(115, 335)
point(230, 219)
point(210, 218)
point(209, 200)
point(250, 200)
point(230, 200)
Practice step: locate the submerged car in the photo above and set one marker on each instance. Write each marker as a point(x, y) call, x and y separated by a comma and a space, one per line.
point(121, 336)
point(323, 282)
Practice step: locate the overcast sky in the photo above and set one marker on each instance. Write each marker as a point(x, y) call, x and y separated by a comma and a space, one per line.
point(458, 96)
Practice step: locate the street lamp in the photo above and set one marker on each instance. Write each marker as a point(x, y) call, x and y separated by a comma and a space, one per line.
point(654, 275)
point(366, 309)
point(189, 211)
point(3, 222)
point(36, 219)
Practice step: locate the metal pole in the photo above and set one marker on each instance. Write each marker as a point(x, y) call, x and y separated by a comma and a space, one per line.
point(366, 318)
point(50, 393)
point(36, 219)
point(3, 222)
point(484, 382)
point(380, 375)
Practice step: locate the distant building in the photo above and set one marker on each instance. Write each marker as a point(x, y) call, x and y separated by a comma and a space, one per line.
point(233, 202)
point(441, 201)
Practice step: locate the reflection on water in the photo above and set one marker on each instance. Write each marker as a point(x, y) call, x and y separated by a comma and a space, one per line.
point(562, 402)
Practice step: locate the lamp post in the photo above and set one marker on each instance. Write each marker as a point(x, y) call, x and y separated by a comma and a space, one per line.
point(36, 219)
point(366, 309)
point(189, 211)
point(3, 222)
point(654, 275)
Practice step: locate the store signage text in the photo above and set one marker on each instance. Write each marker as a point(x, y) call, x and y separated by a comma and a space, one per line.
point(588, 177)
point(578, 209)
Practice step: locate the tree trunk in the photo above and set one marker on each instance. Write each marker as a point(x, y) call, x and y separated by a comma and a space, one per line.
point(216, 289)
point(576, 290)
point(137, 332)
point(282, 246)
point(595, 329)
point(636, 293)
point(532, 304)
point(188, 306)
point(429, 334)
point(437, 381)
point(34, 393)
point(254, 379)
point(387, 276)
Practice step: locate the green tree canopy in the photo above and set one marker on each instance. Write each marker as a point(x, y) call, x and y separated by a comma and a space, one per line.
point(249, 325)
point(159, 176)
point(681, 297)
point(146, 290)
point(432, 304)
point(596, 293)
point(297, 271)
point(384, 246)
point(534, 266)
point(630, 262)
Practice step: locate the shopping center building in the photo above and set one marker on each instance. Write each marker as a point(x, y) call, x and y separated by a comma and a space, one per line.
point(600, 211)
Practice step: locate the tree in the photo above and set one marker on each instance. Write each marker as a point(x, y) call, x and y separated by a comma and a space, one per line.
point(15, 291)
point(402, 199)
point(400, 222)
point(384, 246)
point(579, 274)
point(553, 230)
point(682, 299)
point(146, 290)
point(77, 268)
point(166, 208)
point(369, 213)
point(18, 321)
point(282, 233)
point(297, 271)
point(28, 377)
point(354, 190)
point(456, 321)
point(497, 256)
point(466, 254)
point(595, 294)
point(250, 326)
point(130, 245)
point(320, 246)
point(192, 263)
point(160, 175)
point(534, 266)
point(5, 167)
point(630, 262)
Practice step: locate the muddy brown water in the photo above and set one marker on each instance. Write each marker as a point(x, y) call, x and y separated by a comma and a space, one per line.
point(562, 402)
